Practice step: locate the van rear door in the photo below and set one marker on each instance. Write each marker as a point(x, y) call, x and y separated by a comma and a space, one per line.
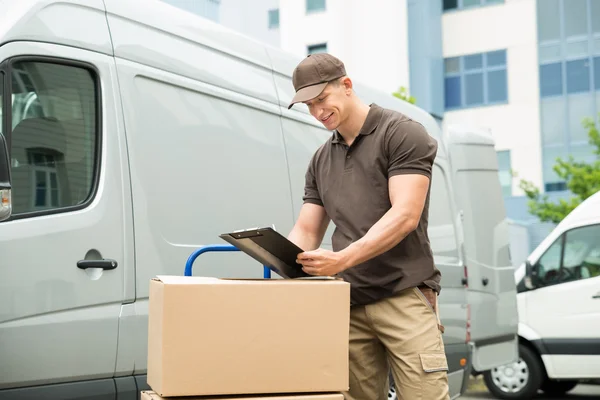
point(491, 285)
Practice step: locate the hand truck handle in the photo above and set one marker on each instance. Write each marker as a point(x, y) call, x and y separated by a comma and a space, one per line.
point(216, 248)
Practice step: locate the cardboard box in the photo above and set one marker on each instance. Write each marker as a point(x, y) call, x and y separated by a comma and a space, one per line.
point(150, 395)
point(210, 336)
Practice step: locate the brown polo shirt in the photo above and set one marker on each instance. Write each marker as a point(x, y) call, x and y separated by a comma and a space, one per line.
point(351, 182)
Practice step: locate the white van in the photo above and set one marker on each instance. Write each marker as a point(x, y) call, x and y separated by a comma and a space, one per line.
point(559, 311)
point(136, 133)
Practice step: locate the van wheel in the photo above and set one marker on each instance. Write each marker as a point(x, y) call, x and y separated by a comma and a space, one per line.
point(557, 388)
point(519, 380)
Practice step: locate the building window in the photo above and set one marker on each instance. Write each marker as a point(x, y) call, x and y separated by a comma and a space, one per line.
point(465, 4)
point(315, 5)
point(44, 168)
point(476, 80)
point(274, 19)
point(505, 172)
point(569, 78)
point(317, 48)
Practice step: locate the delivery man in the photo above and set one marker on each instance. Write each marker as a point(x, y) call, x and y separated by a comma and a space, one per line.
point(372, 179)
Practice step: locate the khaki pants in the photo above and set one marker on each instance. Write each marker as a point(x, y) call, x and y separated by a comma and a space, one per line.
point(404, 333)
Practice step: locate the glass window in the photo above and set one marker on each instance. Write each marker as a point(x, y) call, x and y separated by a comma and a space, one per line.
point(497, 86)
point(596, 46)
point(597, 72)
point(274, 18)
point(1, 102)
point(579, 260)
point(315, 5)
point(317, 48)
point(555, 186)
point(470, 3)
point(496, 58)
point(474, 89)
point(474, 61)
point(483, 79)
point(577, 49)
point(54, 136)
point(551, 80)
point(452, 92)
point(548, 20)
point(550, 52)
point(504, 172)
point(580, 106)
point(553, 112)
point(450, 4)
point(452, 65)
point(548, 265)
point(576, 18)
point(595, 11)
point(578, 75)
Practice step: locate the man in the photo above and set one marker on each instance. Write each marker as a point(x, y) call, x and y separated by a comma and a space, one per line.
point(372, 178)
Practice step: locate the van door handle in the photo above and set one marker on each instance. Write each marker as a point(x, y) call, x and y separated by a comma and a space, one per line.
point(596, 296)
point(104, 264)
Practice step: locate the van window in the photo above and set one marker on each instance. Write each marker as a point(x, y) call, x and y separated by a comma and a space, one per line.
point(1, 102)
point(441, 219)
point(574, 256)
point(54, 136)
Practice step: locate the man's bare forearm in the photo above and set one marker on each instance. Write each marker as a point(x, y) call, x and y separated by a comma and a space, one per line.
point(390, 230)
point(304, 240)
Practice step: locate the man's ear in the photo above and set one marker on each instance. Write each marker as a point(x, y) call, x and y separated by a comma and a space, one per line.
point(347, 82)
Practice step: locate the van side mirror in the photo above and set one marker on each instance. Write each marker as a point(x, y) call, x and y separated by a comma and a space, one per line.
point(5, 187)
point(530, 275)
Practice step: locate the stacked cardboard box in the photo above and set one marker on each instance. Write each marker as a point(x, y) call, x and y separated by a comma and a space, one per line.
point(247, 338)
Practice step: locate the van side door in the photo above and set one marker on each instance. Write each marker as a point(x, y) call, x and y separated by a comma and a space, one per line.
point(491, 294)
point(67, 247)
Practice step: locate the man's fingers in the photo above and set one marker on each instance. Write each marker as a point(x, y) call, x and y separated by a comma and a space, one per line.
point(309, 263)
point(308, 255)
point(310, 270)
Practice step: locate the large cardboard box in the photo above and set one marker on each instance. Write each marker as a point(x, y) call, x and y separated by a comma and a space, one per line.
point(150, 395)
point(210, 336)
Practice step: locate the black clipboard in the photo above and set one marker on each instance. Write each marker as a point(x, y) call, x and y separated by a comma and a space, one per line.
point(270, 248)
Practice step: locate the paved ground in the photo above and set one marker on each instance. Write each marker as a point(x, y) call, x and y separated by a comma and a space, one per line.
point(582, 392)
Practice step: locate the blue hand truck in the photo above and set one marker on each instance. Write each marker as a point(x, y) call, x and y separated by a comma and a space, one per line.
point(216, 248)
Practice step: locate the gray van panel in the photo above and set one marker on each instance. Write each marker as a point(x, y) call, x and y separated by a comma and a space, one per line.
point(43, 21)
point(90, 390)
point(126, 388)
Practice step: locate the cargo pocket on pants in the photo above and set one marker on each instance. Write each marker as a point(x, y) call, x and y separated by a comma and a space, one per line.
point(435, 377)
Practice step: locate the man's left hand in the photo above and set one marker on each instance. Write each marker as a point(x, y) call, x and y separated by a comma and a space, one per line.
point(322, 262)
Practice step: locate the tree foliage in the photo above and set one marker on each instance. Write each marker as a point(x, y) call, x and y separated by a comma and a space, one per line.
point(582, 179)
point(402, 94)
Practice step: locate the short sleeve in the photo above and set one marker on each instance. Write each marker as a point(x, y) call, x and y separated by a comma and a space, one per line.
point(411, 150)
point(311, 189)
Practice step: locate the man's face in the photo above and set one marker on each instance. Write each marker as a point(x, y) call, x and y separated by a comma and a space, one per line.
point(329, 107)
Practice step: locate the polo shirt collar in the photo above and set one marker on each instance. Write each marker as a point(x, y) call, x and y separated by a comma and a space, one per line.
point(373, 117)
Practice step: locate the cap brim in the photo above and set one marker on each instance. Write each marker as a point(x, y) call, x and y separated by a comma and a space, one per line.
point(307, 93)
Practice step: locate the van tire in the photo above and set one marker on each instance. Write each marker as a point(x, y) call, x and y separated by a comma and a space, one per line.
point(535, 377)
point(557, 388)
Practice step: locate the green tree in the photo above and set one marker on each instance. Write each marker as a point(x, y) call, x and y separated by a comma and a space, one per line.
point(582, 179)
point(402, 94)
